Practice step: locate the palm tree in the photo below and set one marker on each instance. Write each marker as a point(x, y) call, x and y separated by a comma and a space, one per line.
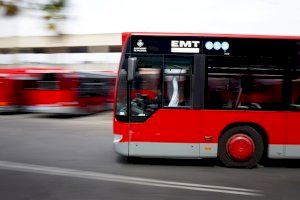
point(53, 14)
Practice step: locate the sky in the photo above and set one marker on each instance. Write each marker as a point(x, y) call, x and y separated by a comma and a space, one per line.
point(275, 17)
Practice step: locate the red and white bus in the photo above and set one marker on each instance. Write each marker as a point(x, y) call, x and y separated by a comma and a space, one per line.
point(61, 91)
point(235, 97)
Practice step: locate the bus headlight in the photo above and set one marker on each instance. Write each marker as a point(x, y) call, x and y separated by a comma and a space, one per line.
point(117, 138)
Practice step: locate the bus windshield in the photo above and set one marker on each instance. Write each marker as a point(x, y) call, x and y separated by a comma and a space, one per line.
point(160, 81)
point(145, 88)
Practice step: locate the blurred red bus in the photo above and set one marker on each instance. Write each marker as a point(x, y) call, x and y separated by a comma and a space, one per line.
point(61, 91)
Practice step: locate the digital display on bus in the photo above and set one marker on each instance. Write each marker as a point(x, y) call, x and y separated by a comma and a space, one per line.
point(210, 45)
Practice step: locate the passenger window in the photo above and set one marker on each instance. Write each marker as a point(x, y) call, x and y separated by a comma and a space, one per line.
point(48, 82)
point(90, 87)
point(30, 84)
point(254, 83)
point(177, 81)
point(260, 93)
point(223, 92)
point(244, 93)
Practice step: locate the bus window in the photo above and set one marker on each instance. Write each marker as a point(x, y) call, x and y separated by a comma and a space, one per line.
point(223, 92)
point(30, 84)
point(48, 82)
point(177, 81)
point(90, 87)
point(244, 84)
point(264, 93)
point(244, 93)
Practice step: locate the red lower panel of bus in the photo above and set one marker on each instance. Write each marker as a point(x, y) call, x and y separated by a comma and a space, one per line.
point(196, 126)
point(8, 92)
point(38, 97)
point(5, 92)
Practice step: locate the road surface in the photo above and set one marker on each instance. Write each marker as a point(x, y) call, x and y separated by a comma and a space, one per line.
point(48, 157)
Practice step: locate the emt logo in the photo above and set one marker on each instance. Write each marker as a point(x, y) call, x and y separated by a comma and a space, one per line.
point(182, 46)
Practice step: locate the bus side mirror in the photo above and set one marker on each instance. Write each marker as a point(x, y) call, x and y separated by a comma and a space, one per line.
point(132, 64)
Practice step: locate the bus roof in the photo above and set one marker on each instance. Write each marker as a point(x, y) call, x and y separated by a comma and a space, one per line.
point(125, 35)
point(295, 37)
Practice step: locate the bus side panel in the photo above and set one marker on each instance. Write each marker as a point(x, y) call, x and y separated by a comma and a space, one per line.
point(200, 129)
point(168, 125)
point(273, 122)
point(196, 132)
point(48, 97)
point(5, 94)
point(293, 135)
point(167, 133)
point(8, 94)
point(4, 88)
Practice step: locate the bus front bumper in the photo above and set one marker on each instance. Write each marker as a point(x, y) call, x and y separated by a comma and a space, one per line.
point(120, 147)
point(164, 149)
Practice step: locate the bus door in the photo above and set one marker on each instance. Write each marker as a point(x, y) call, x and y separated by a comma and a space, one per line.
point(161, 119)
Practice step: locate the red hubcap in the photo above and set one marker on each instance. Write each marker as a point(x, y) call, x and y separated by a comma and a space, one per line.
point(240, 147)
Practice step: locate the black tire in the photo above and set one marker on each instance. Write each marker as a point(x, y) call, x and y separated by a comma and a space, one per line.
point(258, 151)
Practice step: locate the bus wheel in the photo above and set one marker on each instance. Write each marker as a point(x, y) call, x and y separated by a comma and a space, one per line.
point(240, 146)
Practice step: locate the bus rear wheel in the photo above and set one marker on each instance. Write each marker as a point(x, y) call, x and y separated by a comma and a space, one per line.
point(240, 146)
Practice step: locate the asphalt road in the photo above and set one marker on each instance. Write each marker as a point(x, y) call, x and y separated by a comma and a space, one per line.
point(46, 157)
